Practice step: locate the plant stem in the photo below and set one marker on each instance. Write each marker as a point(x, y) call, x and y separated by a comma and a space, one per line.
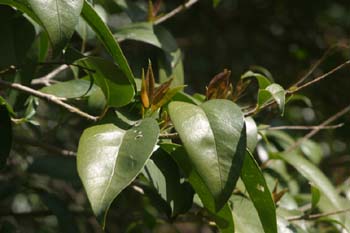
point(50, 98)
point(317, 129)
point(174, 12)
point(302, 127)
point(317, 216)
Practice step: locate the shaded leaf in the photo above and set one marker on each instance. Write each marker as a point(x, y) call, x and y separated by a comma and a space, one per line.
point(259, 193)
point(59, 18)
point(222, 217)
point(116, 87)
point(164, 175)
point(213, 135)
point(5, 134)
point(106, 37)
point(124, 153)
point(17, 36)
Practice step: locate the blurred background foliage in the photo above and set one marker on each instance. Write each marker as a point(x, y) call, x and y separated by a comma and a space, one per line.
point(283, 37)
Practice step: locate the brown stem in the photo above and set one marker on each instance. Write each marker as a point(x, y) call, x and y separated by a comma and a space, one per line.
point(319, 78)
point(174, 12)
point(302, 127)
point(50, 98)
point(316, 130)
point(317, 216)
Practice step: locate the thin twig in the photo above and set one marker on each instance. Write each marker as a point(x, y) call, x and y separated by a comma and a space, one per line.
point(50, 98)
point(294, 89)
point(45, 146)
point(319, 78)
point(317, 216)
point(169, 136)
point(316, 130)
point(319, 61)
point(177, 10)
point(46, 79)
point(302, 127)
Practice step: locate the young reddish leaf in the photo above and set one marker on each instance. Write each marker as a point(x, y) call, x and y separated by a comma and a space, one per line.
point(161, 91)
point(220, 86)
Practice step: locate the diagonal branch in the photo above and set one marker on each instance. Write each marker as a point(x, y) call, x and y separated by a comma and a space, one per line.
point(174, 12)
point(316, 130)
point(49, 98)
point(317, 216)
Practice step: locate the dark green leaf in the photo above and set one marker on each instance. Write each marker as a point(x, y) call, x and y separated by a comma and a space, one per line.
point(279, 94)
point(116, 87)
point(5, 134)
point(124, 153)
point(105, 35)
point(222, 217)
point(17, 36)
point(259, 193)
point(58, 18)
point(163, 174)
point(213, 135)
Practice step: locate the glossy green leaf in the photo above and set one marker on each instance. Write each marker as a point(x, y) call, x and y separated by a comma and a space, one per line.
point(252, 133)
point(259, 193)
point(58, 18)
point(84, 30)
point(17, 36)
point(5, 134)
point(106, 37)
point(140, 32)
point(71, 89)
point(279, 94)
point(213, 135)
point(222, 217)
point(262, 80)
point(116, 87)
point(110, 158)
